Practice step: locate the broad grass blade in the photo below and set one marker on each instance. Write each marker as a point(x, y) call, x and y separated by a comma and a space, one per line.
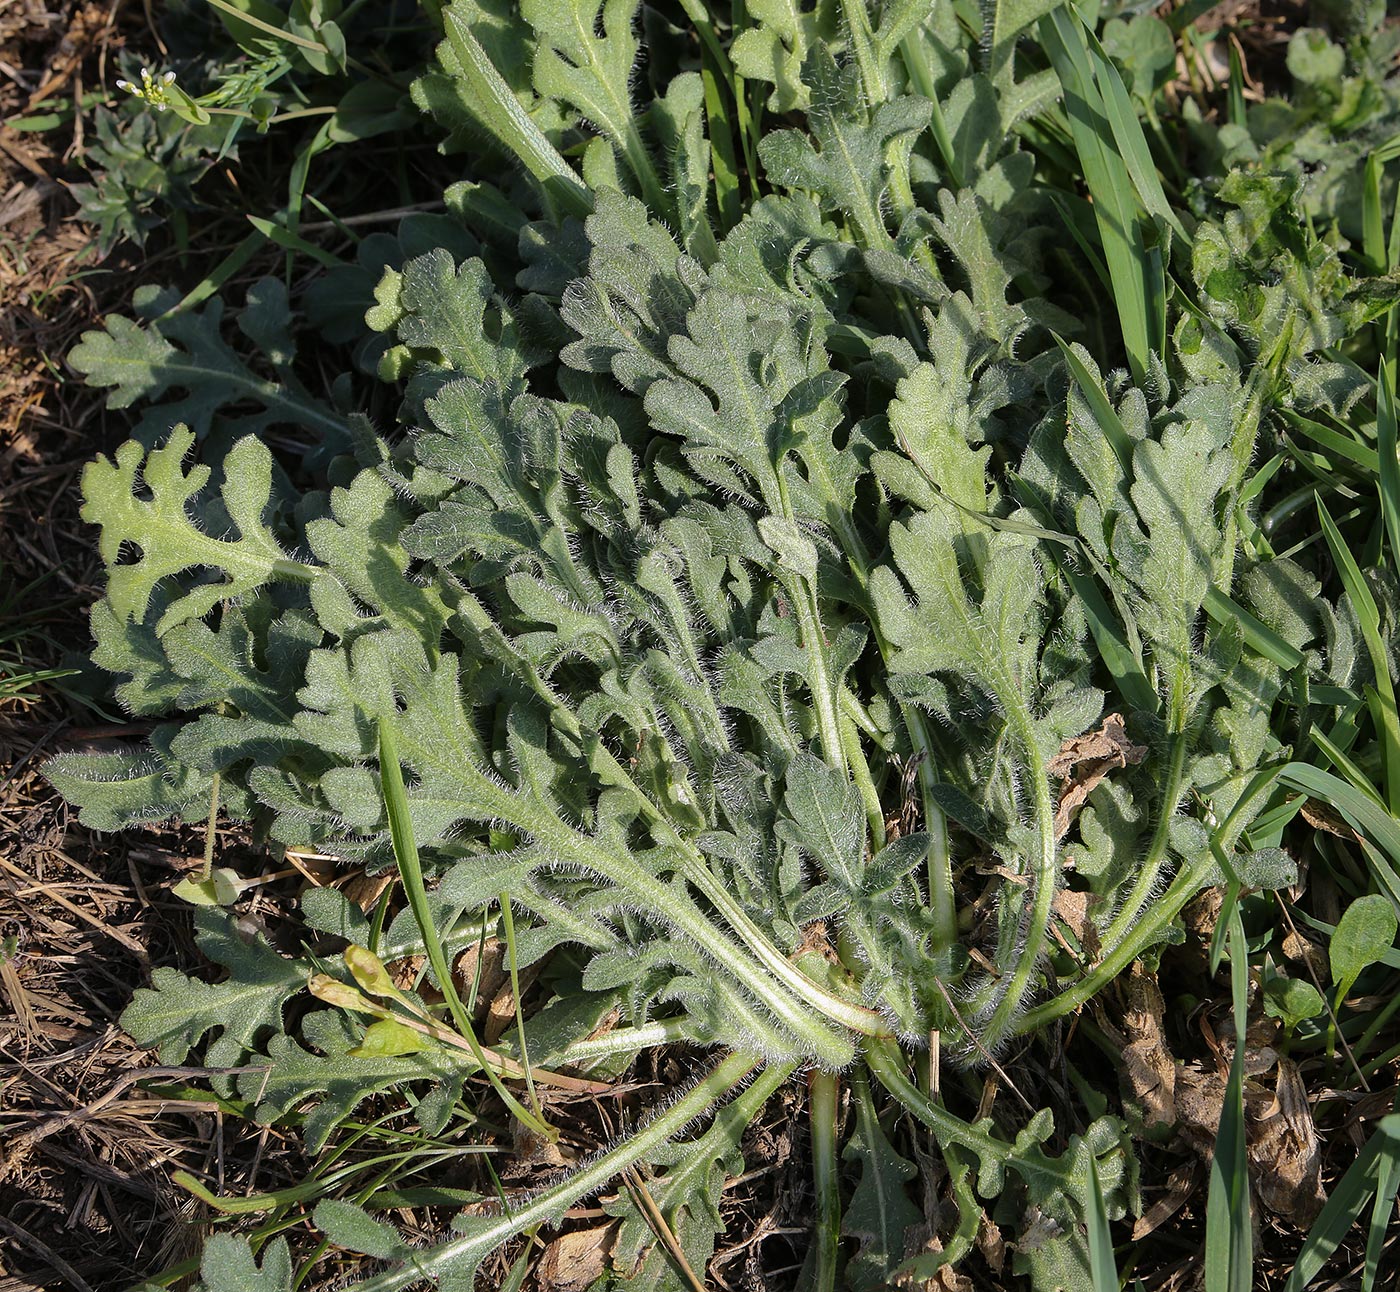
point(1229, 1239)
point(1389, 475)
point(1383, 1209)
point(1381, 698)
point(1139, 287)
point(1349, 1196)
point(1103, 1268)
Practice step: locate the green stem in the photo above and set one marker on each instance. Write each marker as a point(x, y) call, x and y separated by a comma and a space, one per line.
point(1148, 930)
point(1141, 893)
point(942, 897)
point(941, 894)
point(886, 1061)
point(639, 160)
point(865, 783)
point(657, 896)
point(411, 873)
point(823, 696)
point(1241, 455)
point(916, 65)
point(508, 926)
point(823, 1089)
point(1011, 989)
point(329, 111)
point(627, 1040)
point(550, 1204)
point(872, 82)
point(856, 1017)
point(211, 831)
point(243, 16)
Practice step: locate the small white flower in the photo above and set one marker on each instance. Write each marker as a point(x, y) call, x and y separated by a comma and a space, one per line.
point(151, 90)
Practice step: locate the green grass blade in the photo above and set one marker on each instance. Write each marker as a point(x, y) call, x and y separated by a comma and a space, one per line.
point(728, 201)
point(822, 1090)
point(1138, 289)
point(921, 80)
point(1229, 1254)
point(1349, 1195)
point(1131, 142)
point(1374, 246)
point(1361, 811)
point(1099, 404)
point(1235, 101)
point(215, 278)
point(290, 241)
point(1383, 1209)
point(722, 88)
point(1343, 446)
point(1381, 698)
point(508, 927)
point(1123, 664)
point(1389, 478)
point(1339, 759)
point(1103, 1268)
point(1257, 635)
point(411, 874)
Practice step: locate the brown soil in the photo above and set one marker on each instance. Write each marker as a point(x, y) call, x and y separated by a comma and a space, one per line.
point(85, 1156)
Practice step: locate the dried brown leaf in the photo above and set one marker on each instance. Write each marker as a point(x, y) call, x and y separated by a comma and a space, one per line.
point(1148, 1071)
point(480, 971)
point(576, 1260)
point(1322, 817)
point(1202, 913)
point(944, 1279)
point(1083, 761)
point(1073, 908)
point(991, 1244)
point(1302, 951)
point(1199, 1099)
point(1180, 1185)
point(502, 1012)
point(1285, 1155)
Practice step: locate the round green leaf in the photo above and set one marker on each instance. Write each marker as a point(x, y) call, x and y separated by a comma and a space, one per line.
point(1292, 1000)
point(221, 888)
point(1364, 934)
point(389, 1037)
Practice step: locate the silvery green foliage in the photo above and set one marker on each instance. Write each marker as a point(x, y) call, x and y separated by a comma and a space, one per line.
point(686, 550)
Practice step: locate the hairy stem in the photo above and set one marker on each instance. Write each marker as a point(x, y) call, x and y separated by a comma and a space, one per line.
point(548, 1205)
point(1010, 990)
point(1139, 896)
point(1149, 929)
